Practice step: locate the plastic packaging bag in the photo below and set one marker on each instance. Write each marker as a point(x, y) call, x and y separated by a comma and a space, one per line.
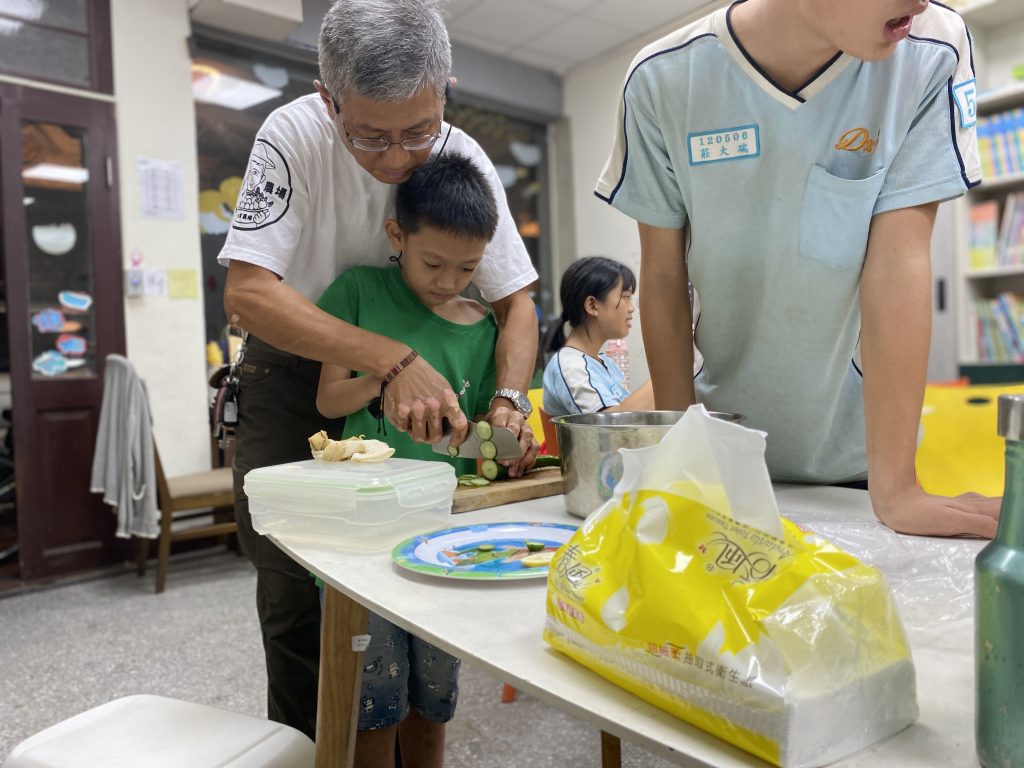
point(690, 591)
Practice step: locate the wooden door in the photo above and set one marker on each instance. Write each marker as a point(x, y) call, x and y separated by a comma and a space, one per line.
point(65, 313)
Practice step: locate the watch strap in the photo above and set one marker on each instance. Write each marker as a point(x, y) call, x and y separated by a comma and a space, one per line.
point(517, 398)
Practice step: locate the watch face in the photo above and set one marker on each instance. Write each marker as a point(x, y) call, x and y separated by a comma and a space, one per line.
point(523, 404)
point(519, 400)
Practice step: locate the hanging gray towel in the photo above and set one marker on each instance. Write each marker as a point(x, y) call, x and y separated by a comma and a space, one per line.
point(123, 468)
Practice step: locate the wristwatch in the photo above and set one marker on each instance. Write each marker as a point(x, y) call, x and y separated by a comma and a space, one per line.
point(519, 400)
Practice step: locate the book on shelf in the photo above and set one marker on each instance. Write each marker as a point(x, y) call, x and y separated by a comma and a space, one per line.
point(1010, 246)
point(984, 220)
point(1001, 144)
point(1000, 328)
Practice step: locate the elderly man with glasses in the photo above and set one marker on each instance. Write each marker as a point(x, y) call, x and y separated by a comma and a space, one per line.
point(331, 162)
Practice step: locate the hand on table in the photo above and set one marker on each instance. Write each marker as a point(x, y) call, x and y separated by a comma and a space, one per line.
point(417, 401)
point(915, 512)
point(503, 416)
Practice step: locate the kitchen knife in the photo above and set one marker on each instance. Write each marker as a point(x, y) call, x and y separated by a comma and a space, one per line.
point(503, 438)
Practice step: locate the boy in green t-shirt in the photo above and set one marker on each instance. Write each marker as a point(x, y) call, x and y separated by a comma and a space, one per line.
point(445, 215)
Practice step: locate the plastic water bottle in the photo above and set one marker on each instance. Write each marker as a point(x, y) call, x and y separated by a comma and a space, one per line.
point(999, 611)
point(617, 350)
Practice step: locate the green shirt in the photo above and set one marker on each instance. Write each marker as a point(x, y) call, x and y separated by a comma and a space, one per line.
point(378, 300)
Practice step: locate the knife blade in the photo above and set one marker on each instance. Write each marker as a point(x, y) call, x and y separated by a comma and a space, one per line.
point(503, 438)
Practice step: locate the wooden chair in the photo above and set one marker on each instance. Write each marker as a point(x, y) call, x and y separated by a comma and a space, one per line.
point(182, 499)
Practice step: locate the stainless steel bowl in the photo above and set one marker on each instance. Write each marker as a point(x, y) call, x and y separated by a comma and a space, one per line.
point(589, 445)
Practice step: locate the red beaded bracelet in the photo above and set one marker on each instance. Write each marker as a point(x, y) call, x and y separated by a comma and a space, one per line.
point(400, 366)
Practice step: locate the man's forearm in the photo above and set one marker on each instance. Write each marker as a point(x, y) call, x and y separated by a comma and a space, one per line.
point(515, 353)
point(284, 318)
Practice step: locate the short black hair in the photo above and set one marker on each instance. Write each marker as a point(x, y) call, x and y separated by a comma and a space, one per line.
point(448, 193)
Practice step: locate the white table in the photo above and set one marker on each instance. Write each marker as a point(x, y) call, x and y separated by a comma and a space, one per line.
point(499, 625)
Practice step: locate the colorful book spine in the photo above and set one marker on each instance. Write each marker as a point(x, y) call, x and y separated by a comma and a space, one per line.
point(983, 234)
point(985, 155)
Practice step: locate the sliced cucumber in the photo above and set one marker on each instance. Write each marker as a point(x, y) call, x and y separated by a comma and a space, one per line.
point(453, 451)
point(484, 430)
point(490, 469)
point(535, 546)
point(488, 449)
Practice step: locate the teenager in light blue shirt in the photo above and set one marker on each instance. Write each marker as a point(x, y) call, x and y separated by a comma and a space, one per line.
point(787, 158)
point(597, 303)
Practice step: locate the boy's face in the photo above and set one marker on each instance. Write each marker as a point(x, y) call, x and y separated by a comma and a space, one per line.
point(437, 266)
point(868, 30)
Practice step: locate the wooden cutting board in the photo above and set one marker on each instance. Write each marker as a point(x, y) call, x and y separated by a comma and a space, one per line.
point(533, 485)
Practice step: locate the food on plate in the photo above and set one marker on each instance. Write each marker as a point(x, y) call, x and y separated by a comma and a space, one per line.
point(537, 560)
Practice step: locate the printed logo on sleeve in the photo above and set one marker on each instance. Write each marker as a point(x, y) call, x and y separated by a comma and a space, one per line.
point(966, 96)
point(267, 190)
point(740, 143)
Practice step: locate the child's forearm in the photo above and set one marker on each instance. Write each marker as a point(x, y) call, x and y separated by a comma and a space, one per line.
point(340, 397)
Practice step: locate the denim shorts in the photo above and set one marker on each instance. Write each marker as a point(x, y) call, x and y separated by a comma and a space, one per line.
point(400, 671)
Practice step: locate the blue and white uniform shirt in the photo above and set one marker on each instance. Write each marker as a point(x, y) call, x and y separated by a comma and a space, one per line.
point(778, 266)
point(575, 382)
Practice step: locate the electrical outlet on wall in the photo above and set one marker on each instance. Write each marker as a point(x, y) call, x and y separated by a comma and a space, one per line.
point(134, 283)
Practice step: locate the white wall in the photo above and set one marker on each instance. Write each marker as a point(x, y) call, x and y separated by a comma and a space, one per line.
point(591, 96)
point(156, 119)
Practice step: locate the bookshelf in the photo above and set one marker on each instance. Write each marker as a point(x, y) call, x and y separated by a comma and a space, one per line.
point(988, 229)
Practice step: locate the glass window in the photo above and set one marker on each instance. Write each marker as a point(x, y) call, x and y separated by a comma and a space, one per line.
point(62, 14)
point(63, 41)
point(44, 53)
point(55, 180)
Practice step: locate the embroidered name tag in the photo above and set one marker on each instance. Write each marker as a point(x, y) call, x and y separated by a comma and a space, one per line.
point(966, 96)
point(739, 143)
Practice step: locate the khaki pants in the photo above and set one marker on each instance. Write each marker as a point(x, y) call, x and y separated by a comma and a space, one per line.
point(276, 414)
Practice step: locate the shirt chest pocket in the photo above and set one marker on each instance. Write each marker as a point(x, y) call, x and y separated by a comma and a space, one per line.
point(836, 216)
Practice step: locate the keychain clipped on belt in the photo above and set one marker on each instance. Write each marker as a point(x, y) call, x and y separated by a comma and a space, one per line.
point(224, 416)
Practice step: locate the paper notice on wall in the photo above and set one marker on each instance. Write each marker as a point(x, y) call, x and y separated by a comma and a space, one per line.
point(155, 282)
point(182, 284)
point(160, 188)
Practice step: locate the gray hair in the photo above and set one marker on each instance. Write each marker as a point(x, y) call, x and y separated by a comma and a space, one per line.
point(384, 50)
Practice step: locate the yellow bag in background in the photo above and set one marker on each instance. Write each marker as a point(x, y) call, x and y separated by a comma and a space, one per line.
point(690, 591)
point(960, 450)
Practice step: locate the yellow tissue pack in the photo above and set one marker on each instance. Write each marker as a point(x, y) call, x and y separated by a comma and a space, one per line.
point(773, 640)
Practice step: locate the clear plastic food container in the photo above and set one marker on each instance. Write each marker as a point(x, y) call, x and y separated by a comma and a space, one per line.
point(351, 506)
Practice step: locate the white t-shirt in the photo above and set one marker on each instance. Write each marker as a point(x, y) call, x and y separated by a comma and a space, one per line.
point(307, 211)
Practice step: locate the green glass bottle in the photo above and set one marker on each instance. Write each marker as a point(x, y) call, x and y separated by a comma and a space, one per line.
point(999, 611)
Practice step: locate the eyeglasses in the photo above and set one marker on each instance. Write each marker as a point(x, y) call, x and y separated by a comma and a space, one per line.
point(382, 145)
point(412, 144)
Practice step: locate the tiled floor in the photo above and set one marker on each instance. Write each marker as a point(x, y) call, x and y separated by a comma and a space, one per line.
point(69, 648)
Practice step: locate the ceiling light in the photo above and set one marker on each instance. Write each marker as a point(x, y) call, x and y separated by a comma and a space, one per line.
point(209, 86)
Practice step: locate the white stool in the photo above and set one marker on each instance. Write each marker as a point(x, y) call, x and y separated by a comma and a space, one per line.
point(156, 732)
